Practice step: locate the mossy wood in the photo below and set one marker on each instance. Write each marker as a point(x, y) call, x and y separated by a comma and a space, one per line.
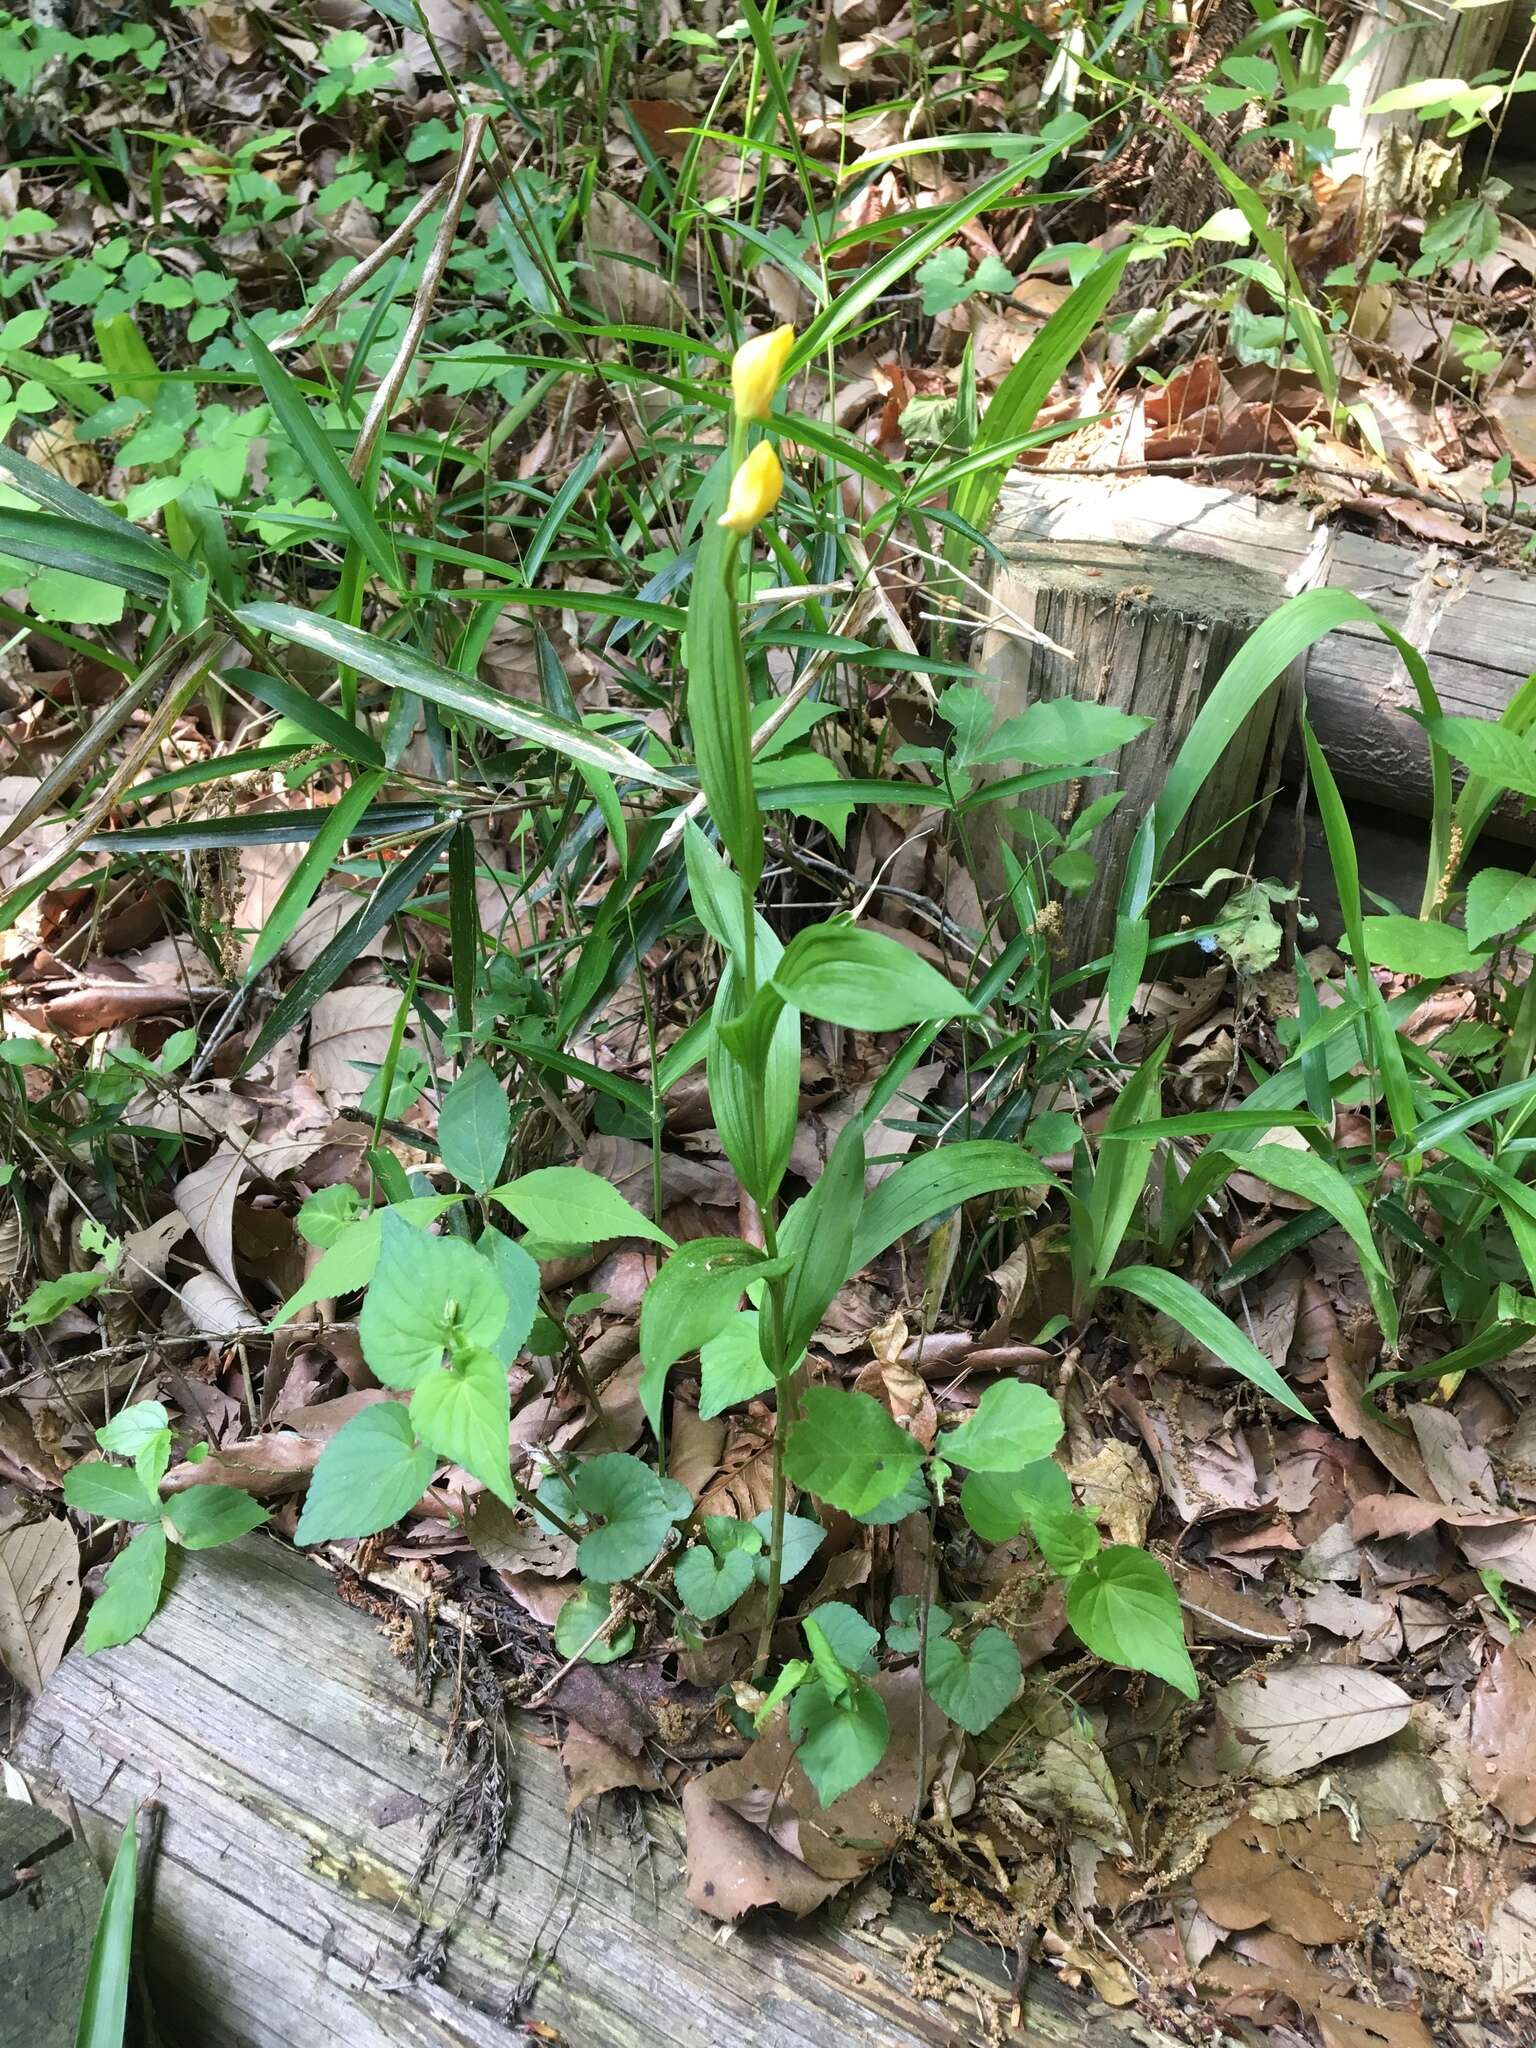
point(297, 1771)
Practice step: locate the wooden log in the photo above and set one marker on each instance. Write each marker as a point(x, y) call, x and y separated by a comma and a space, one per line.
point(1475, 626)
point(1394, 43)
point(297, 1770)
point(1149, 631)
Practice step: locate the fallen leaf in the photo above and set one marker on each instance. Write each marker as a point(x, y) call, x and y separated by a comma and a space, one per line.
point(593, 1767)
point(1501, 1733)
point(39, 1599)
point(1305, 1877)
point(1303, 1713)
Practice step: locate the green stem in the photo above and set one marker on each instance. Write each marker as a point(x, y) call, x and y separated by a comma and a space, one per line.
point(785, 1381)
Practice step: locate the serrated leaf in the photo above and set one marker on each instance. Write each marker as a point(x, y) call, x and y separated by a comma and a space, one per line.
point(110, 1491)
point(464, 1412)
point(846, 1450)
point(838, 1743)
point(802, 1539)
point(371, 1473)
point(1125, 1609)
point(710, 1585)
point(130, 1592)
point(428, 1294)
point(972, 1686)
point(997, 1504)
point(1499, 901)
point(132, 1428)
point(570, 1205)
point(206, 1516)
point(1014, 1425)
point(474, 1126)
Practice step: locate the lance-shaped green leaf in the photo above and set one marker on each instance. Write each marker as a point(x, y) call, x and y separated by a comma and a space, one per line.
point(864, 981)
point(403, 669)
point(1208, 1326)
point(1315, 1180)
point(122, 559)
point(719, 713)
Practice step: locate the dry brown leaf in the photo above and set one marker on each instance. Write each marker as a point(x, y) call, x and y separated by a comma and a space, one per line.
point(1501, 1735)
point(628, 265)
point(1304, 1713)
point(593, 1767)
point(39, 1599)
point(1116, 1487)
point(1509, 1948)
point(1306, 1877)
point(348, 1027)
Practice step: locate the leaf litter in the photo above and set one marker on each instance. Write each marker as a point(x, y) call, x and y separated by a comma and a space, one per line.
point(1334, 1838)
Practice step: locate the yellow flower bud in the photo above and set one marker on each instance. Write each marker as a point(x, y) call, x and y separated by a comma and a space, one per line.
point(756, 369)
point(754, 490)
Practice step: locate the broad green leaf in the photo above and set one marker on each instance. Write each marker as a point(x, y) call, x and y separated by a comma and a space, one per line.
point(1208, 1326)
point(802, 1539)
point(581, 1616)
point(1499, 901)
point(428, 1295)
point(352, 1254)
point(934, 1183)
point(690, 1301)
point(712, 1576)
point(839, 1632)
point(464, 1412)
point(756, 1105)
point(636, 1508)
point(846, 1450)
point(1125, 1609)
point(49, 1298)
point(733, 1366)
point(1068, 1537)
point(131, 1428)
point(111, 1491)
point(1060, 732)
point(1015, 1425)
point(403, 669)
point(998, 1504)
point(904, 1631)
point(474, 1126)
point(313, 447)
point(973, 1686)
point(568, 1205)
point(837, 1742)
point(103, 2021)
point(862, 980)
point(130, 1593)
point(205, 1516)
point(371, 1473)
point(1407, 945)
point(818, 1234)
point(518, 1272)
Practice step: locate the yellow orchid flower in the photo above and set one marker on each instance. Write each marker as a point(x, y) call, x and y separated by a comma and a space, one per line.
point(756, 369)
point(754, 490)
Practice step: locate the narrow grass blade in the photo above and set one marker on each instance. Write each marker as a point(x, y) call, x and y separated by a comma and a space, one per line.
point(315, 451)
point(1203, 1321)
point(404, 669)
point(104, 2009)
point(342, 820)
point(349, 740)
point(328, 967)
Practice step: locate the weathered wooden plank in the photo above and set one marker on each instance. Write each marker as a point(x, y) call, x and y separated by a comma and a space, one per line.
point(1479, 624)
point(297, 1771)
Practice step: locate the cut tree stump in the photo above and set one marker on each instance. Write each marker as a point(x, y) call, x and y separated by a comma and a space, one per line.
point(297, 1772)
point(1149, 631)
point(50, 1897)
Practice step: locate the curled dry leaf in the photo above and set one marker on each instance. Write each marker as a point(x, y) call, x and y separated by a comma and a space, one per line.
point(1501, 1733)
point(1304, 1713)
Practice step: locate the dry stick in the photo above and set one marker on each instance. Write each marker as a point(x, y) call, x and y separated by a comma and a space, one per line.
point(369, 267)
point(437, 262)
